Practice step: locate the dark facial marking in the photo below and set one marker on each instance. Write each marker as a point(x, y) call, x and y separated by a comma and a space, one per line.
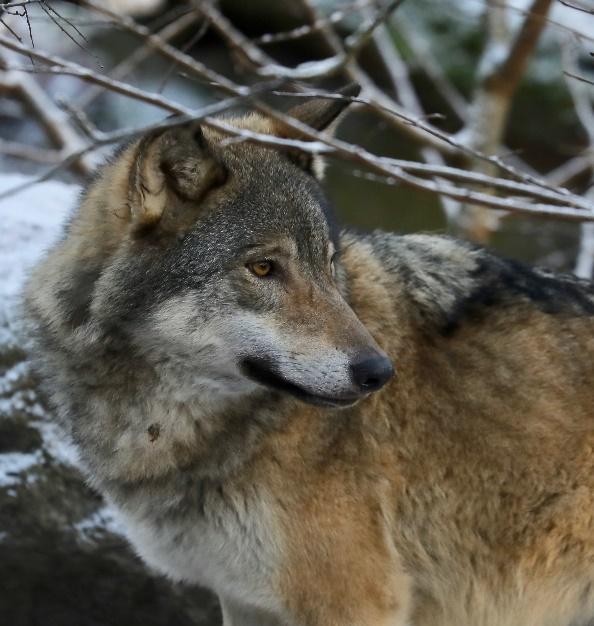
point(154, 430)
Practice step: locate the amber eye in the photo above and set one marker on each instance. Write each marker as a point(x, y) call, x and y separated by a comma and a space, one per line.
point(261, 269)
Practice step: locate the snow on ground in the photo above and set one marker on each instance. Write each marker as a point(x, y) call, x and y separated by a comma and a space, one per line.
point(30, 222)
point(13, 464)
point(55, 443)
point(101, 520)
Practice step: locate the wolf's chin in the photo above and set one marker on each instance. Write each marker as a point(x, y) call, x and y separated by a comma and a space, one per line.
point(261, 371)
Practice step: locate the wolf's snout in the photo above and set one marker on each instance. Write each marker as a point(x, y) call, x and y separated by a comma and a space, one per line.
point(371, 371)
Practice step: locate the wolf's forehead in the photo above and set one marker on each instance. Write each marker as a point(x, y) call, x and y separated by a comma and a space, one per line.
point(279, 198)
point(302, 220)
point(297, 230)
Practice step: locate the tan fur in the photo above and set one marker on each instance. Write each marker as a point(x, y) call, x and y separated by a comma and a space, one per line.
point(480, 515)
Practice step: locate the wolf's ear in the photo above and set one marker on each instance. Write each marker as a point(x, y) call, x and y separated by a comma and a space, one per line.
point(320, 114)
point(178, 162)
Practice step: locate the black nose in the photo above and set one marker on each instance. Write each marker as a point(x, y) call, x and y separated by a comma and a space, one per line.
point(371, 372)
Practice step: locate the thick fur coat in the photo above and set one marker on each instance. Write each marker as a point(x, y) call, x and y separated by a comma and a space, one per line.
point(198, 328)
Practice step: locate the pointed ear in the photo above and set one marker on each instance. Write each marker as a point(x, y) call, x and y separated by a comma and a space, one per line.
point(320, 114)
point(175, 163)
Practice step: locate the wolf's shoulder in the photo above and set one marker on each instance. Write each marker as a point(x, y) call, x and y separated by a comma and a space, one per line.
point(450, 280)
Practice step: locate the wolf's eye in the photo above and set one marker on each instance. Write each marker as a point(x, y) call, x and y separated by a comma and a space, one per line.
point(261, 269)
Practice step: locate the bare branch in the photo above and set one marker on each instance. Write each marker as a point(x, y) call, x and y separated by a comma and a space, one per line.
point(570, 169)
point(318, 24)
point(55, 121)
point(498, 162)
point(395, 174)
point(196, 37)
point(431, 66)
point(121, 70)
point(82, 121)
point(556, 24)
point(254, 57)
point(582, 79)
point(356, 41)
point(106, 139)
point(524, 192)
point(503, 62)
point(396, 171)
point(398, 72)
point(55, 17)
point(184, 61)
point(193, 67)
point(58, 65)
point(30, 153)
point(387, 108)
point(23, 3)
point(507, 75)
point(10, 30)
point(266, 66)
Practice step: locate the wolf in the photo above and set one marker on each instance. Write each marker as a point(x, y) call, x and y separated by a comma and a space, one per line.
point(326, 428)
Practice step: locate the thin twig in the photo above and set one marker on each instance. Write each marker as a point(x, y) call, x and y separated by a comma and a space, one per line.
point(268, 67)
point(23, 3)
point(582, 79)
point(432, 68)
point(309, 29)
point(122, 69)
point(57, 65)
point(196, 37)
point(82, 121)
point(576, 7)
point(55, 19)
point(55, 122)
point(11, 30)
point(184, 61)
point(30, 153)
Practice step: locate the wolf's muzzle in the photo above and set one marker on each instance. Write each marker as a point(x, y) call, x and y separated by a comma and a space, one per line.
point(263, 371)
point(368, 371)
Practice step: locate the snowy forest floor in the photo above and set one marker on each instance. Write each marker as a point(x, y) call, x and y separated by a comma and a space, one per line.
point(63, 559)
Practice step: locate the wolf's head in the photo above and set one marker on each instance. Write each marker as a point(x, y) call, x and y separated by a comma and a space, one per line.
point(219, 260)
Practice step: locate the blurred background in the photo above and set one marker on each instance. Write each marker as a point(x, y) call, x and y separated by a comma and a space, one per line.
point(446, 83)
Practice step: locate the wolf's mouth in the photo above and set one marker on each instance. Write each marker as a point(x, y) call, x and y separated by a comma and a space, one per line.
point(261, 371)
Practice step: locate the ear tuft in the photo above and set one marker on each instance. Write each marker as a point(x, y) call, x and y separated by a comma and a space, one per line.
point(189, 166)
